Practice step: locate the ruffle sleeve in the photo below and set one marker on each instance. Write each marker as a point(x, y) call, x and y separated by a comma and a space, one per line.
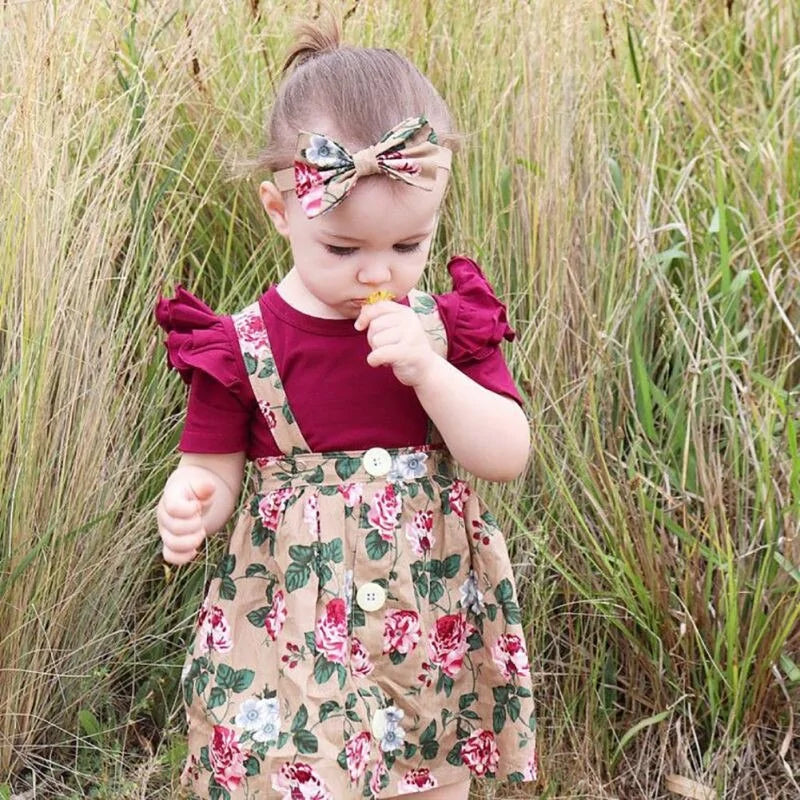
point(197, 339)
point(476, 320)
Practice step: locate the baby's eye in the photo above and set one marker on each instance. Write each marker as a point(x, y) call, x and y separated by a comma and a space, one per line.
point(407, 248)
point(340, 251)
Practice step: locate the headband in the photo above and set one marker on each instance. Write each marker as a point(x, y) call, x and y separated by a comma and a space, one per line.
point(324, 172)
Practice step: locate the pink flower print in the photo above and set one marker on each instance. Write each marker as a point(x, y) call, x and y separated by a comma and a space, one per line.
point(398, 163)
point(271, 506)
point(300, 781)
point(447, 643)
point(269, 414)
point(357, 750)
point(459, 494)
point(251, 333)
point(309, 187)
point(384, 512)
point(510, 655)
point(227, 758)
point(214, 631)
point(479, 752)
point(352, 493)
point(377, 782)
point(311, 515)
point(420, 533)
point(330, 634)
point(400, 631)
point(417, 780)
point(359, 658)
point(276, 615)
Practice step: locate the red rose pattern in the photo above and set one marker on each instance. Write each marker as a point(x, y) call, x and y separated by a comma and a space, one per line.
point(214, 632)
point(459, 494)
point(510, 655)
point(357, 749)
point(384, 512)
point(300, 781)
point(447, 642)
point(353, 493)
point(271, 506)
point(227, 757)
point(417, 780)
point(420, 533)
point(479, 752)
point(360, 663)
point(330, 634)
point(401, 631)
point(276, 615)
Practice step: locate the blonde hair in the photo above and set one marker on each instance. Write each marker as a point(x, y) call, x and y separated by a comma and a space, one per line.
point(361, 91)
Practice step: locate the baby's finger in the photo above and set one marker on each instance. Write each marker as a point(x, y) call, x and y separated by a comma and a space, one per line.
point(386, 355)
point(181, 543)
point(180, 507)
point(172, 557)
point(181, 526)
point(384, 338)
point(371, 312)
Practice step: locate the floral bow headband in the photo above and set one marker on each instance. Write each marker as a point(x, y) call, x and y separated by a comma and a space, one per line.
point(324, 172)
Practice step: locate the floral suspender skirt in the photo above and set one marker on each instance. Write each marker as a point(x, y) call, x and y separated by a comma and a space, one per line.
point(361, 636)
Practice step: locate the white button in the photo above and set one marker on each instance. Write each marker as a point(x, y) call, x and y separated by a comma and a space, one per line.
point(378, 723)
point(371, 596)
point(377, 461)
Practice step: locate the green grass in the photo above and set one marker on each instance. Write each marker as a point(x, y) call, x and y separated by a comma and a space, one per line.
point(629, 180)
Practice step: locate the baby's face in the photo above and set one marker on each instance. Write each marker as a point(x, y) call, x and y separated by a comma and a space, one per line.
point(377, 238)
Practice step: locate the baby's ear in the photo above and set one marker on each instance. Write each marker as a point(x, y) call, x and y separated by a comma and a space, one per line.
point(274, 205)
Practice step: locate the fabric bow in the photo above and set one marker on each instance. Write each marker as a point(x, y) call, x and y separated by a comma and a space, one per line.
point(324, 172)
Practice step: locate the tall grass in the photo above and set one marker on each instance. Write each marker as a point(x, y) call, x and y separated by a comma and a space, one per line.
point(630, 180)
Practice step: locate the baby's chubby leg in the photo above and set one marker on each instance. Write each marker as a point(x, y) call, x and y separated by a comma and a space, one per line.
point(455, 791)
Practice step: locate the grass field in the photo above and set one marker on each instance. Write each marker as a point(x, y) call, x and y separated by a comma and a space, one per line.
point(629, 179)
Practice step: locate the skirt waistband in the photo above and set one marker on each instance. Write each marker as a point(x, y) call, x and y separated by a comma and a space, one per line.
point(378, 464)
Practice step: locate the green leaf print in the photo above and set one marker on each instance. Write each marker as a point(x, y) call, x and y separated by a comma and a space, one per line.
point(429, 734)
point(466, 700)
point(377, 547)
point(427, 487)
point(396, 657)
point(226, 676)
point(341, 672)
point(300, 719)
point(324, 573)
point(327, 708)
point(317, 476)
point(333, 551)
point(257, 616)
point(511, 613)
point(287, 413)
point(435, 567)
point(491, 611)
point(305, 742)
point(475, 641)
point(227, 588)
point(444, 684)
point(250, 363)
point(424, 304)
point(503, 591)
point(268, 369)
point(422, 585)
point(501, 694)
point(251, 766)
point(204, 758)
point(297, 576)
point(242, 679)
point(429, 750)
point(216, 698)
point(454, 756)
point(515, 777)
point(217, 792)
point(283, 738)
point(346, 467)
point(187, 691)
point(201, 684)
point(522, 691)
point(436, 591)
point(498, 718)
point(351, 700)
point(255, 569)
point(452, 565)
point(301, 553)
point(323, 669)
point(514, 707)
point(341, 759)
point(226, 565)
point(311, 642)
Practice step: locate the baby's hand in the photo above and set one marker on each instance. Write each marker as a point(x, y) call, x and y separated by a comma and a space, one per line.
point(397, 339)
point(179, 515)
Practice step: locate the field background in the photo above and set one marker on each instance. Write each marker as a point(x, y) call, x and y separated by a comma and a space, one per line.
point(629, 179)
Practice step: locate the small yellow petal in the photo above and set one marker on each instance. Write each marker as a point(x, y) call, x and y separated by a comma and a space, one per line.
point(376, 297)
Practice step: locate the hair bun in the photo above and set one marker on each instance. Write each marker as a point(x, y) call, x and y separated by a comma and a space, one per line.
point(313, 39)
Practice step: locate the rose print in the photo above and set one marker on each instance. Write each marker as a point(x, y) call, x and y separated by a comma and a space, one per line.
point(276, 615)
point(357, 749)
point(510, 656)
point(227, 758)
point(271, 506)
point(384, 512)
point(309, 187)
point(330, 634)
point(447, 642)
point(401, 631)
point(214, 631)
point(268, 413)
point(353, 493)
point(459, 494)
point(359, 658)
point(417, 780)
point(379, 773)
point(479, 752)
point(311, 515)
point(300, 781)
point(253, 338)
point(420, 533)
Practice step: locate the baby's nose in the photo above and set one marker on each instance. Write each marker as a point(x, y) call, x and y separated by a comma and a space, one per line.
point(374, 272)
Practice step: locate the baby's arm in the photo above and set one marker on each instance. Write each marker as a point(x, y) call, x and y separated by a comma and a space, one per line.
point(199, 498)
point(487, 433)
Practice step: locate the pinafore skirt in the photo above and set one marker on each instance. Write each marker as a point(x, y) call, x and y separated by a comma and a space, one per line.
point(361, 636)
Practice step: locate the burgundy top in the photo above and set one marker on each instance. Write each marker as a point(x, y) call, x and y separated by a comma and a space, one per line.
point(339, 400)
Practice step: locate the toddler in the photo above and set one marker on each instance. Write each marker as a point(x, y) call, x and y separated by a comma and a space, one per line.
point(361, 636)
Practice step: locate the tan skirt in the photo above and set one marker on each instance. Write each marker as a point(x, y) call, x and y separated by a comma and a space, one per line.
point(361, 637)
